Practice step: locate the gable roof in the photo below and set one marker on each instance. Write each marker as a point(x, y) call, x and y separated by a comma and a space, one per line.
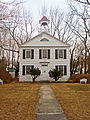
point(44, 18)
point(44, 33)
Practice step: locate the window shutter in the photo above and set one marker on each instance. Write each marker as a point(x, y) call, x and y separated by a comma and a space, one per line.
point(64, 53)
point(65, 70)
point(32, 54)
point(40, 57)
point(56, 54)
point(23, 53)
point(23, 70)
point(48, 54)
point(56, 67)
point(32, 66)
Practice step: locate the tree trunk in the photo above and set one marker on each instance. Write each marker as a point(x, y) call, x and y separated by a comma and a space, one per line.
point(12, 58)
point(85, 63)
point(81, 69)
point(89, 64)
point(33, 79)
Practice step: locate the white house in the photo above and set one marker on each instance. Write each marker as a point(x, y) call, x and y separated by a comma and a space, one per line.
point(45, 52)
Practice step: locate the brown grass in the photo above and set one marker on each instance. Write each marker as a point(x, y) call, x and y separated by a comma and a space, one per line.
point(18, 101)
point(74, 99)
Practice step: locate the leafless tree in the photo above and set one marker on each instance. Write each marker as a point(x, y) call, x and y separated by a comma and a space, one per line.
point(84, 2)
point(18, 26)
point(58, 26)
point(79, 25)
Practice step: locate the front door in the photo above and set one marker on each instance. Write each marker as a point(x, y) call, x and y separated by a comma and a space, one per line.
point(44, 69)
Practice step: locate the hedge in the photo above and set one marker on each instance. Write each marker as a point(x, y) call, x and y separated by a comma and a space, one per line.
point(76, 77)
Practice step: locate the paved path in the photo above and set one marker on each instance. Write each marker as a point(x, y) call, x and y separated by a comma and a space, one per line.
point(48, 107)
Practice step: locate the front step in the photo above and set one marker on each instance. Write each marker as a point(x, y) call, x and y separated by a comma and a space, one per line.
point(43, 77)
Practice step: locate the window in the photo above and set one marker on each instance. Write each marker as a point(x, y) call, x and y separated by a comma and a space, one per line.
point(44, 53)
point(44, 65)
point(28, 67)
point(60, 53)
point(59, 68)
point(62, 68)
point(30, 53)
point(44, 39)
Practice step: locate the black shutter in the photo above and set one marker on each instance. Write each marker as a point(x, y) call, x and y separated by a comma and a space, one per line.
point(48, 54)
point(23, 53)
point(56, 67)
point(32, 54)
point(65, 70)
point(40, 57)
point(32, 66)
point(56, 54)
point(64, 53)
point(23, 70)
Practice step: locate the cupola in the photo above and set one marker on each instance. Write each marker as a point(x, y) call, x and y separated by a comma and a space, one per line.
point(44, 24)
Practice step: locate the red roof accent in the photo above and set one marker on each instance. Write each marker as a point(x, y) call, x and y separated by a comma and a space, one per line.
point(44, 18)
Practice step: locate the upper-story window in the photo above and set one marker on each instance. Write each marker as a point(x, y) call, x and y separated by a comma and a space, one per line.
point(60, 53)
point(44, 53)
point(28, 53)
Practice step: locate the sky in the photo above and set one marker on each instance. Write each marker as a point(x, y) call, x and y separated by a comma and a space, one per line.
point(35, 5)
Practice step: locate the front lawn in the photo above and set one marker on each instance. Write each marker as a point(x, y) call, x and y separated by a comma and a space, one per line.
point(18, 101)
point(74, 99)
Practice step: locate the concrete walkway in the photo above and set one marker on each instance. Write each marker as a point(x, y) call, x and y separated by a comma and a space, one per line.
point(48, 107)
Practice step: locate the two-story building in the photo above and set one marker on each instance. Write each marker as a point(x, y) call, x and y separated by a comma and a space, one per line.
point(44, 52)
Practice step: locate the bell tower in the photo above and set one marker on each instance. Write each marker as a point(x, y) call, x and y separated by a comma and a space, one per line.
point(44, 25)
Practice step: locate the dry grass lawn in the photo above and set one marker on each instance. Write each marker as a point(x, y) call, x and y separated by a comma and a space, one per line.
point(18, 101)
point(74, 99)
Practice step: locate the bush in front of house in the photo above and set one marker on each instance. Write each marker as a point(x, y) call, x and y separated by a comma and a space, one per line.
point(35, 72)
point(76, 77)
point(55, 74)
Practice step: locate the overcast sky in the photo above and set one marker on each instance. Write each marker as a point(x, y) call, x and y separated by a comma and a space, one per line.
point(35, 5)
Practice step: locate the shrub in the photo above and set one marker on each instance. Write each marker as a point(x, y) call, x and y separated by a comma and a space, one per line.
point(76, 77)
point(35, 72)
point(55, 74)
point(5, 76)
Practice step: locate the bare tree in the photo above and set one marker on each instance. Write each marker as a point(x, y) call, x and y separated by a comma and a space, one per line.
point(84, 2)
point(79, 26)
point(18, 26)
point(58, 26)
